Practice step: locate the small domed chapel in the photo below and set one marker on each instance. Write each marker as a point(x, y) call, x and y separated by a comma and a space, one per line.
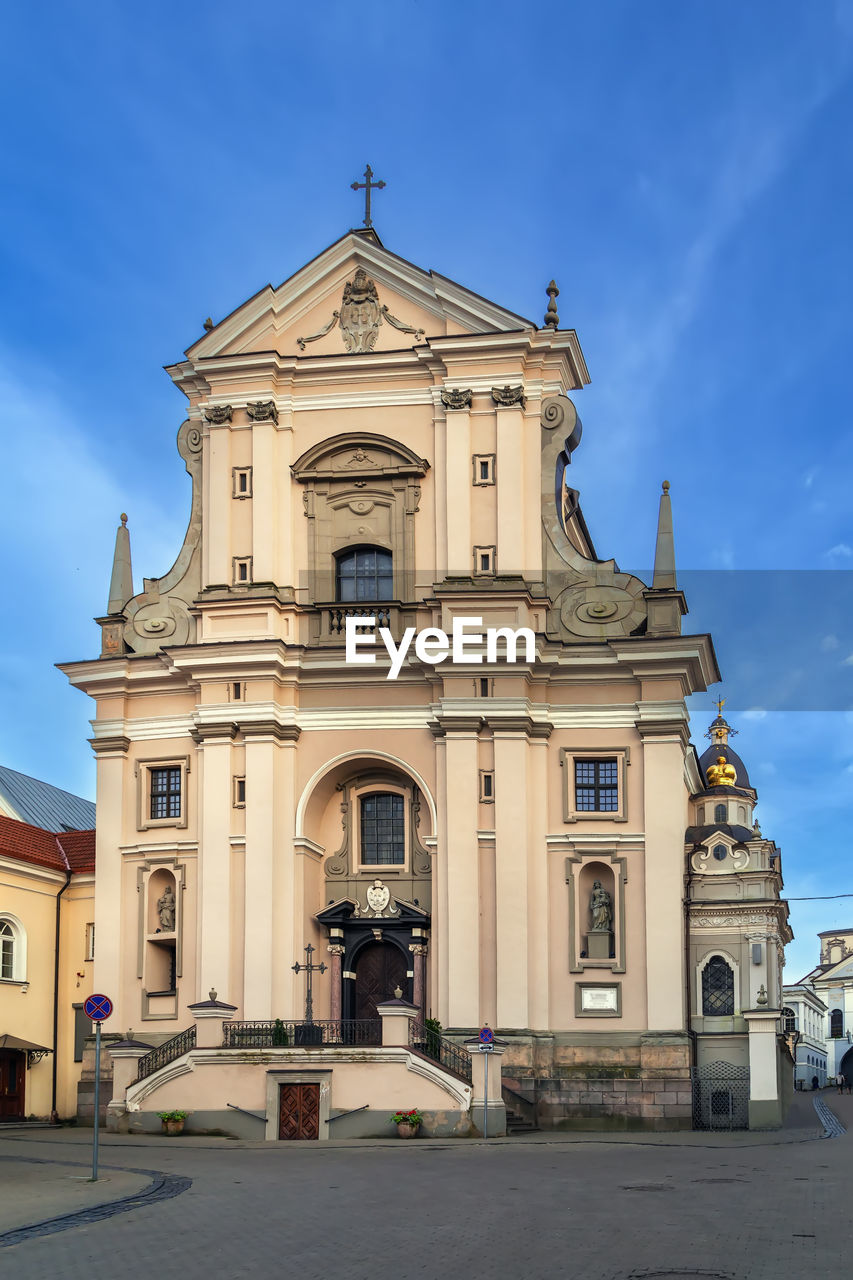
point(391, 754)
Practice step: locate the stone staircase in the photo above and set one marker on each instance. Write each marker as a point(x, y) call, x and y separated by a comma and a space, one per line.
point(520, 1112)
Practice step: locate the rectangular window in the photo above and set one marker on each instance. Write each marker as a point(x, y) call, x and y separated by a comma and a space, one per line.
point(239, 793)
point(90, 941)
point(596, 786)
point(7, 957)
point(484, 687)
point(484, 468)
point(242, 570)
point(242, 482)
point(484, 560)
point(383, 831)
point(165, 793)
point(487, 786)
point(236, 690)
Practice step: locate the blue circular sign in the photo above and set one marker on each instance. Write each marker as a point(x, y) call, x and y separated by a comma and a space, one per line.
point(98, 1008)
point(487, 1036)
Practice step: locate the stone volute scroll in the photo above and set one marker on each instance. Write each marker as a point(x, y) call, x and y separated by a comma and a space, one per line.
point(592, 599)
point(359, 317)
point(452, 398)
point(161, 615)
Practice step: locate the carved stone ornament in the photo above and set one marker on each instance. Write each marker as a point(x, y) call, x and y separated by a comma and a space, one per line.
point(509, 396)
point(262, 411)
point(456, 399)
point(218, 413)
point(378, 897)
point(360, 317)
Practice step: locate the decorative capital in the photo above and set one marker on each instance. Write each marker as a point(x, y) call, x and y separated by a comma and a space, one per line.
point(453, 398)
point(418, 948)
point(508, 397)
point(552, 320)
point(218, 413)
point(335, 949)
point(262, 411)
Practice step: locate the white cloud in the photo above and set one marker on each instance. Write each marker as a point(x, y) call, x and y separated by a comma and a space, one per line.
point(841, 551)
point(828, 643)
point(754, 713)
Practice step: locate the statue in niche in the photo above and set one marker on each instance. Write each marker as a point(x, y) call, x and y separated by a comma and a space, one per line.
point(601, 908)
point(166, 909)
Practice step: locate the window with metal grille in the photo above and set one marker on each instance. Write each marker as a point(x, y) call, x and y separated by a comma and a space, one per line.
point(836, 1024)
point(383, 832)
point(789, 1020)
point(596, 786)
point(165, 793)
point(7, 950)
point(365, 573)
point(718, 989)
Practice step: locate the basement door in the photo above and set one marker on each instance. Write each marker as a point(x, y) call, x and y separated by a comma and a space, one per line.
point(12, 1066)
point(298, 1112)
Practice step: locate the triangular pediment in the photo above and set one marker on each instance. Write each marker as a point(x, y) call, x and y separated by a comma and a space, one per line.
point(842, 970)
point(402, 303)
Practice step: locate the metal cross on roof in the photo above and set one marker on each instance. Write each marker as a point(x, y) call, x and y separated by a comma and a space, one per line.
point(368, 185)
point(309, 967)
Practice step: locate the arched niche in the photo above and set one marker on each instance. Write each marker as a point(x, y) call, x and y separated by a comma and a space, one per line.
point(583, 869)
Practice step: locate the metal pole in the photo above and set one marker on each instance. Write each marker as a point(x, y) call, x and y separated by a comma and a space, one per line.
point(486, 1099)
point(97, 1100)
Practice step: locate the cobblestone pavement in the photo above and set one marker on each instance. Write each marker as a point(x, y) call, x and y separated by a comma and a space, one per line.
point(743, 1207)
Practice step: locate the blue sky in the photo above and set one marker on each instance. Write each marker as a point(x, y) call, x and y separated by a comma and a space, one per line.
point(683, 170)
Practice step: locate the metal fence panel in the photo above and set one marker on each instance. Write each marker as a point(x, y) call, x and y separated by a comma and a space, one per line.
point(720, 1096)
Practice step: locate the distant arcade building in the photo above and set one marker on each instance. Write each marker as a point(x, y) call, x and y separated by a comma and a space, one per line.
point(486, 841)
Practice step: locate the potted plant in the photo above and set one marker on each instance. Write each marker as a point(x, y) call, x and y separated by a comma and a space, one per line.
point(408, 1122)
point(172, 1121)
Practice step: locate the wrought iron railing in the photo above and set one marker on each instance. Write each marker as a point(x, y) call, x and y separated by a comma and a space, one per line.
point(334, 1034)
point(432, 1044)
point(166, 1053)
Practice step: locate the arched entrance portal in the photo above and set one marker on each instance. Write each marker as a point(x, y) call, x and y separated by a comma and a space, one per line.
point(380, 970)
point(845, 1067)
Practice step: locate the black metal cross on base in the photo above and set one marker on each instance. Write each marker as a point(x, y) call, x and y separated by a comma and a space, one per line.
point(310, 968)
point(368, 185)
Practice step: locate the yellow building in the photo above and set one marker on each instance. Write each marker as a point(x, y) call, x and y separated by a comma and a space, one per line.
point(47, 889)
point(391, 703)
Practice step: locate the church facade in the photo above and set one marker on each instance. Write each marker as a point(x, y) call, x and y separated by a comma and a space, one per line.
point(389, 702)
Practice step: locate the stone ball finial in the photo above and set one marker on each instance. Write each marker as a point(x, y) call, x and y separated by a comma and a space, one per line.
point(123, 517)
point(398, 993)
point(666, 486)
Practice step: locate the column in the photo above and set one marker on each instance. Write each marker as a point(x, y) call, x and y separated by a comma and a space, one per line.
point(336, 954)
point(109, 971)
point(260, 854)
point(765, 1104)
point(461, 858)
point(217, 517)
point(419, 953)
point(511, 877)
point(214, 912)
point(510, 482)
point(663, 792)
point(538, 917)
point(457, 480)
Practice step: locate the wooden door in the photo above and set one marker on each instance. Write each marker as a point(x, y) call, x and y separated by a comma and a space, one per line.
point(380, 969)
point(12, 1064)
point(298, 1112)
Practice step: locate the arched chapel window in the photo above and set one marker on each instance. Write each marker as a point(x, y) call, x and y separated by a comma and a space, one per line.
point(364, 573)
point(11, 951)
point(720, 813)
point(789, 1020)
point(836, 1024)
point(718, 988)
point(383, 829)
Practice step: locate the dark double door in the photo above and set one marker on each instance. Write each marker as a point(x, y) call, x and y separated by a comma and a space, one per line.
point(12, 1076)
point(380, 969)
point(298, 1112)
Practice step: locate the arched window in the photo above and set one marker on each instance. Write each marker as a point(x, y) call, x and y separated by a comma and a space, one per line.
point(13, 949)
point(364, 573)
point(836, 1024)
point(383, 829)
point(720, 813)
point(789, 1020)
point(718, 989)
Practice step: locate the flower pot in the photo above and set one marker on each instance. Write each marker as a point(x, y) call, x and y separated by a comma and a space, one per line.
point(408, 1130)
point(172, 1127)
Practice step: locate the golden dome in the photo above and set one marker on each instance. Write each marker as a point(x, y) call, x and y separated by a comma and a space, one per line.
point(721, 774)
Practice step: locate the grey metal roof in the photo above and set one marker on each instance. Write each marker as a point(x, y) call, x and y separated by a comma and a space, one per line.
point(45, 806)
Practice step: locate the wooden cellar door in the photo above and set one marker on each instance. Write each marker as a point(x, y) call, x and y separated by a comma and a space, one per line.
point(299, 1112)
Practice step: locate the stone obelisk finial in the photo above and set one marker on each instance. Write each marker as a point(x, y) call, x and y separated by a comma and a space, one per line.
point(664, 546)
point(121, 582)
point(665, 602)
